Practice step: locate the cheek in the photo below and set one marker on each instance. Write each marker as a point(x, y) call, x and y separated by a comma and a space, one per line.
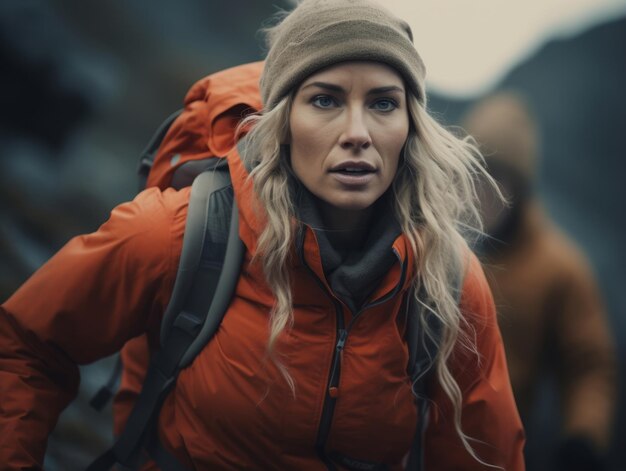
point(297, 144)
point(309, 142)
point(299, 128)
point(394, 142)
point(302, 144)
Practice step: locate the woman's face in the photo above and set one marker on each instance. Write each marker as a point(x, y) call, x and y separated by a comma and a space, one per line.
point(348, 125)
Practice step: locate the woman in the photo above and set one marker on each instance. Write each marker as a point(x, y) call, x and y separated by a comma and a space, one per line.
point(350, 201)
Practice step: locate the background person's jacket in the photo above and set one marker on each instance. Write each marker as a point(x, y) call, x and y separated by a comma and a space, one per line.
point(231, 408)
point(553, 319)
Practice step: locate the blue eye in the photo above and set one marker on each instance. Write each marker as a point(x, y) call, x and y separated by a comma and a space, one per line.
point(385, 105)
point(324, 101)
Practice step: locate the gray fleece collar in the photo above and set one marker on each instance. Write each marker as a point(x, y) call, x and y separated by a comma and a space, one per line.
point(353, 276)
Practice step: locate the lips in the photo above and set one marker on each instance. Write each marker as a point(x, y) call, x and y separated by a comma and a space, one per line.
point(353, 174)
point(353, 168)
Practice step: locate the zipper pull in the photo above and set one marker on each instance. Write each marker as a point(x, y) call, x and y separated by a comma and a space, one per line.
point(333, 390)
point(341, 340)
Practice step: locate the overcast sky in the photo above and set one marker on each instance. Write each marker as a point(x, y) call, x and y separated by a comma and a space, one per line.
point(468, 45)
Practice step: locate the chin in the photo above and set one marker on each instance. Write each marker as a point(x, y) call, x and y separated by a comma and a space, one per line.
point(352, 204)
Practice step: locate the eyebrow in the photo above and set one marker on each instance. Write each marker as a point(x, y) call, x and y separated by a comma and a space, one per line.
point(336, 88)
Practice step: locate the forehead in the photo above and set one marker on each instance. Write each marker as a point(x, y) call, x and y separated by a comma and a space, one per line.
point(368, 73)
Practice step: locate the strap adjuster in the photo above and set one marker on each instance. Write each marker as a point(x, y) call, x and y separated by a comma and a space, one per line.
point(188, 323)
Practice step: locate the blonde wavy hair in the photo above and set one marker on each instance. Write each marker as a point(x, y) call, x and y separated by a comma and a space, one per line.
point(435, 204)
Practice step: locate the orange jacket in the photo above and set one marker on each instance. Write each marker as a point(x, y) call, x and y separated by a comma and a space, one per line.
point(231, 408)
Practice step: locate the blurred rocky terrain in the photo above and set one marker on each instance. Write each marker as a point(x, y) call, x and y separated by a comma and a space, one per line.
point(85, 84)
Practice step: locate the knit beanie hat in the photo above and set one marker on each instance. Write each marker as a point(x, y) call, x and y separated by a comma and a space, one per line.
point(320, 33)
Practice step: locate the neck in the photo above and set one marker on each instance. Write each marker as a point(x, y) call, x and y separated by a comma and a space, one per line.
point(345, 229)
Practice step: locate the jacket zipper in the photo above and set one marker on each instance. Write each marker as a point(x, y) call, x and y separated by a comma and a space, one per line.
point(331, 397)
point(342, 335)
point(333, 380)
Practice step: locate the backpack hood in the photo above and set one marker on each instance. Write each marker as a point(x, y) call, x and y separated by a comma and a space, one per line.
point(213, 108)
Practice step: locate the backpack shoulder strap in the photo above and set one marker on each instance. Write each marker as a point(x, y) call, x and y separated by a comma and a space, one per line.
point(207, 274)
point(423, 349)
point(210, 260)
point(183, 175)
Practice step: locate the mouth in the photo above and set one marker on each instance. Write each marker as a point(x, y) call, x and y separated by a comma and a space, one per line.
point(354, 174)
point(353, 168)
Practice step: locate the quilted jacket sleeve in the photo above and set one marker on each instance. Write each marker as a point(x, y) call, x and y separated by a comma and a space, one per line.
point(98, 291)
point(489, 415)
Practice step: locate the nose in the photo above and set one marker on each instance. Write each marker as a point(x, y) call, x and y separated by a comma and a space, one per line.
point(356, 134)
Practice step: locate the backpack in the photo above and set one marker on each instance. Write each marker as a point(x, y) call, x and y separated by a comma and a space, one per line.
point(185, 150)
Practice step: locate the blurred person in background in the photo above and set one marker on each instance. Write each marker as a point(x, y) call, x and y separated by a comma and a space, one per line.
point(549, 306)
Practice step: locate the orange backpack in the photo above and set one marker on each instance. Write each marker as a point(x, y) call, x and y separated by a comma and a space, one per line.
point(185, 144)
